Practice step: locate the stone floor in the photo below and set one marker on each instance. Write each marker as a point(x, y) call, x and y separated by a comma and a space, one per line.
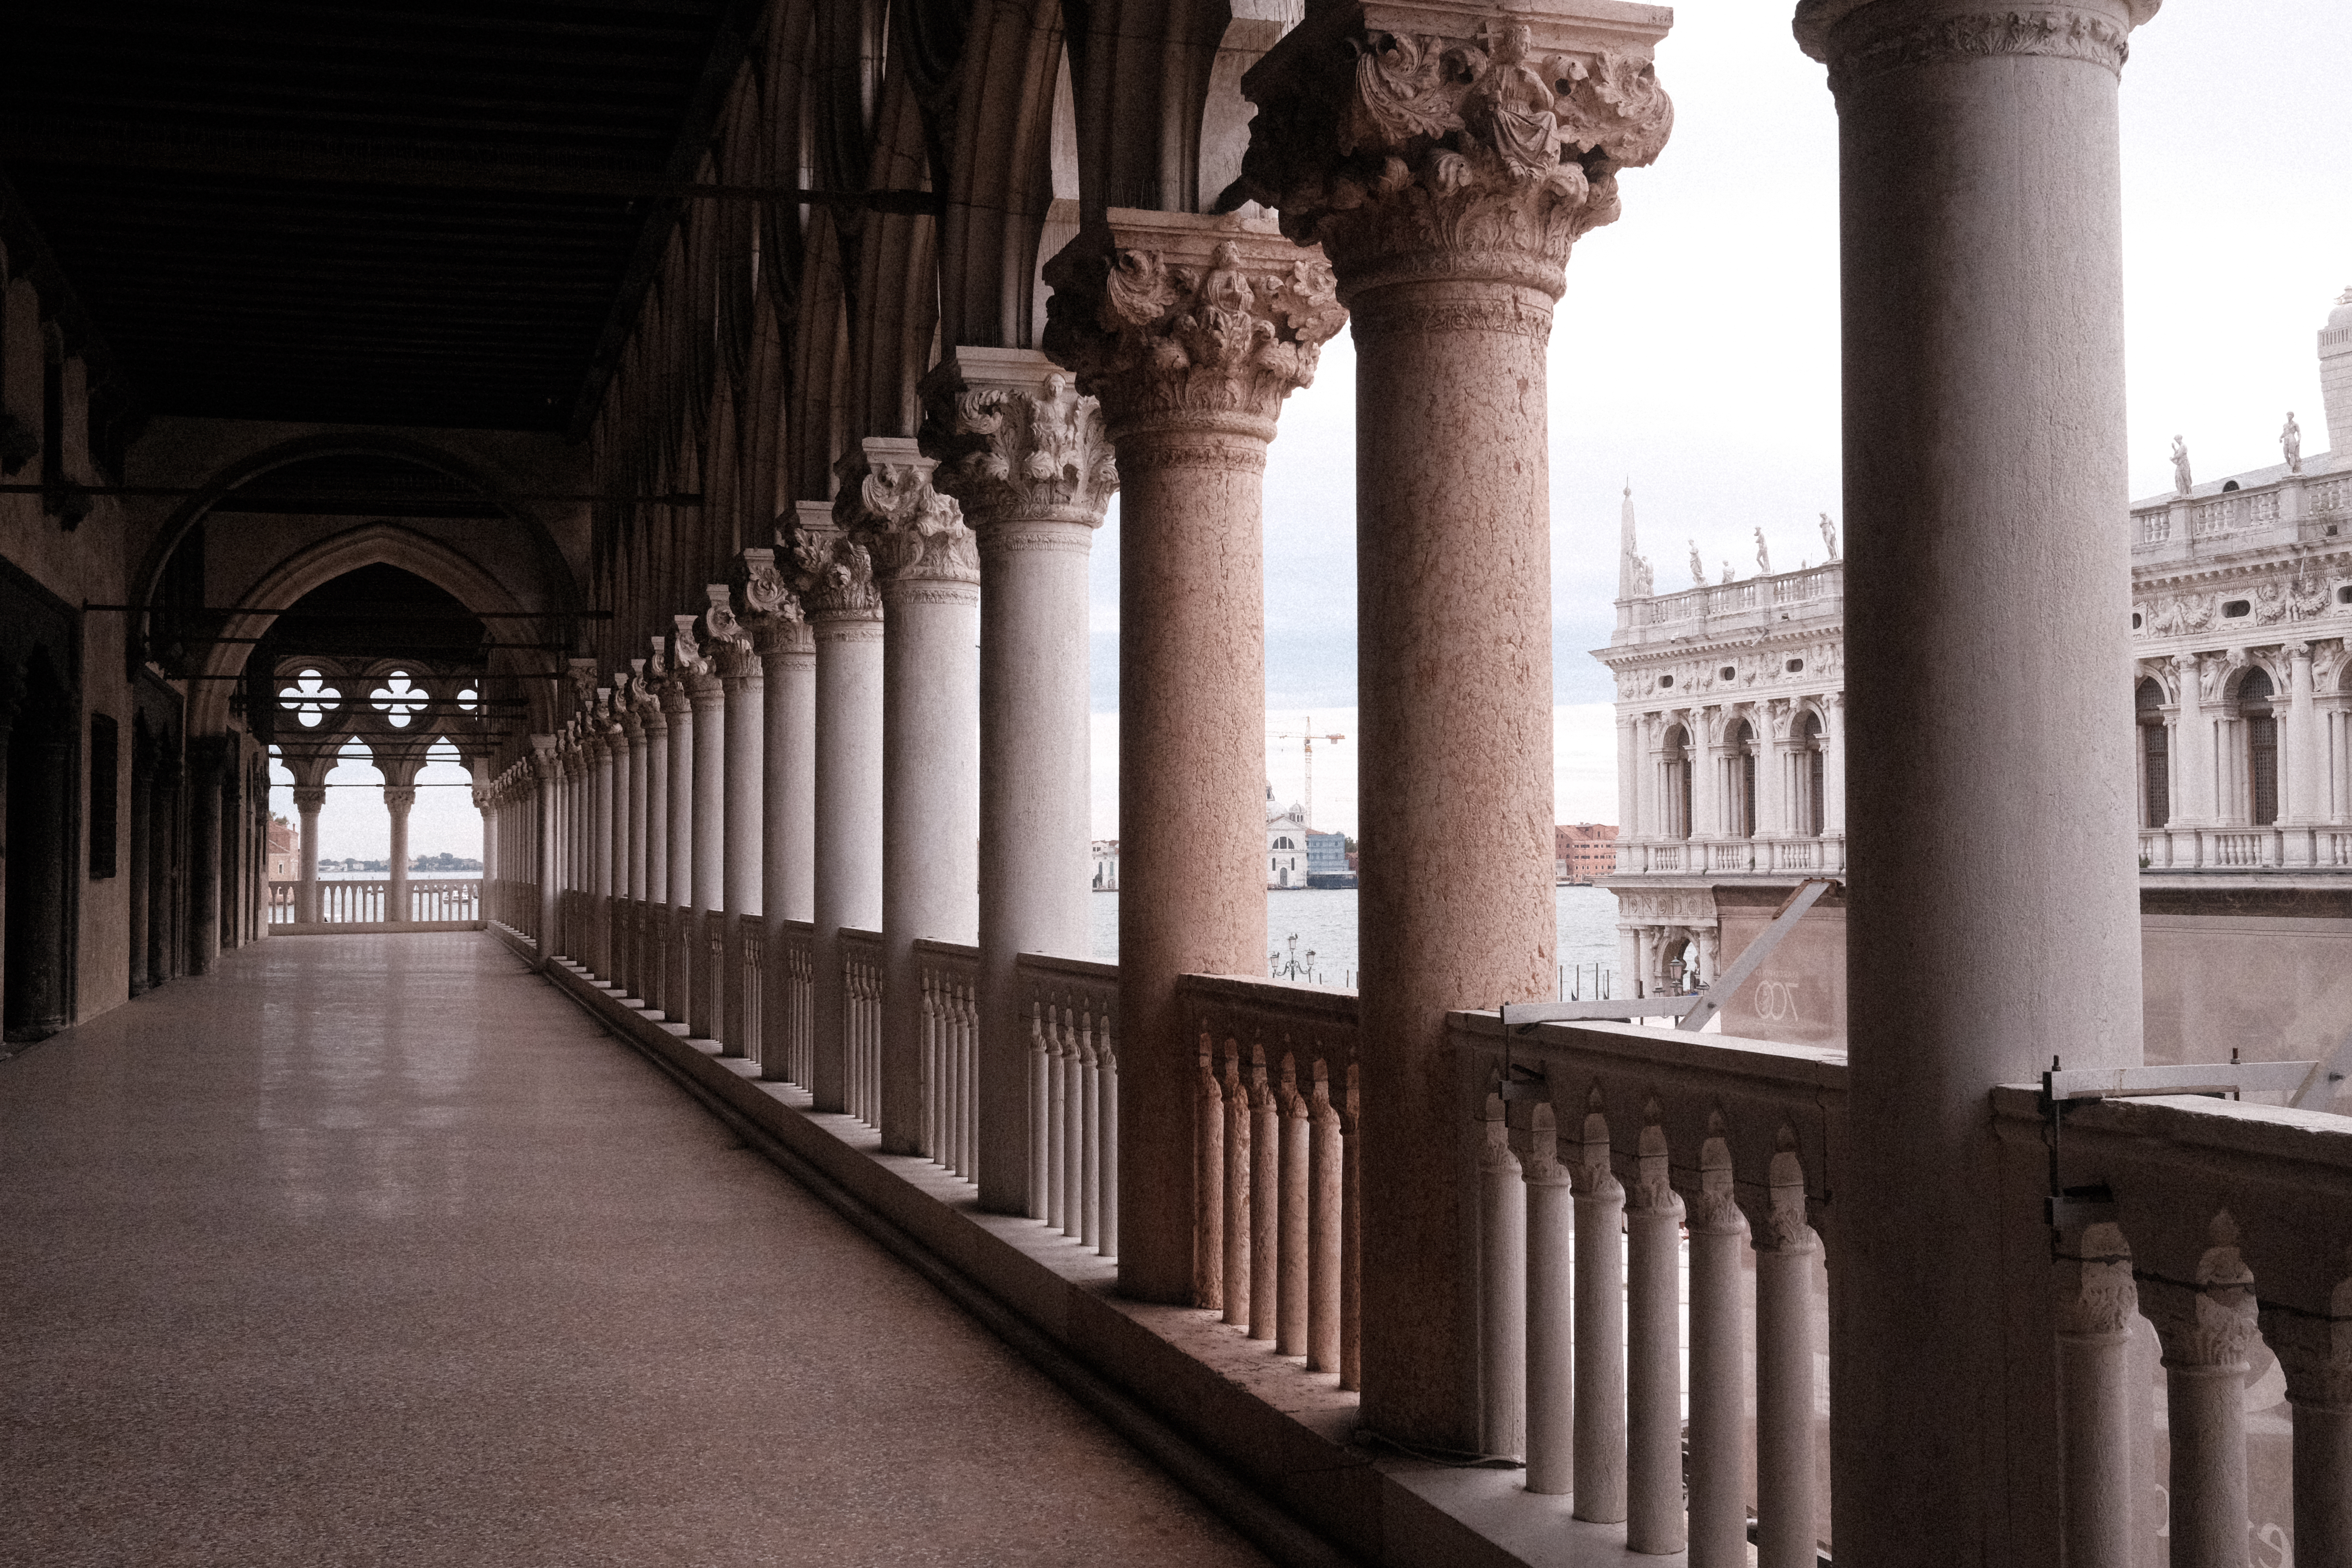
point(371, 1249)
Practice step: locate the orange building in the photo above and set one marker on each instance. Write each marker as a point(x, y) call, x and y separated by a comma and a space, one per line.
point(1584, 850)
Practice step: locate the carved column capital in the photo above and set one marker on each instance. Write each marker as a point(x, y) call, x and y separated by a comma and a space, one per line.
point(829, 571)
point(730, 648)
point(770, 608)
point(1859, 39)
point(1181, 319)
point(1015, 438)
point(399, 798)
point(309, 797)
point(584, 680)
point(2095, 1297)
point(1420, 141)
point(911, 532)
point(2209, 1323)
point(2314, 1353)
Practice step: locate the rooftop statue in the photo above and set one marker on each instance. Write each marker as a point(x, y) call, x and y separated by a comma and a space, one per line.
point(1698, 567)
point(1727, 572)
point(2181, 482)
point(1763, 555)
point(2290, 443)
point(1828, 534)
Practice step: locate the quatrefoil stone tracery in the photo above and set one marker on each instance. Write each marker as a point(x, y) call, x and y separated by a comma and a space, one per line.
point(399, 699)
point(309, 699)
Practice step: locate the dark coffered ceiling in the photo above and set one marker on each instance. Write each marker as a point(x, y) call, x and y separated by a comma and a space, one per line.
point(397, 213)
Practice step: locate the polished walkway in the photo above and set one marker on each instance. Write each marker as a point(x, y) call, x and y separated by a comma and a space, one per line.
point(373, 1250)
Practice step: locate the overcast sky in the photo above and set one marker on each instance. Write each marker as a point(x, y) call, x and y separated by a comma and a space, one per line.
point(1695, 353)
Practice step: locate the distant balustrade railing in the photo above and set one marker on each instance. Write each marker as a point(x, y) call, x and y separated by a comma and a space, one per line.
point(1736, 856)
point(1804, 586)
point(1277, 1236)
point(285, 902)
point(682, 978)
point(949, 974)
point(2229, 1227)
point(2335, 846)
point(450, 900)
point(1597, 1144)
point(861, 976)
point(2154, 526)
point(794, 952)
point(1073, 1006)
point(752, 942)
point(344, 901)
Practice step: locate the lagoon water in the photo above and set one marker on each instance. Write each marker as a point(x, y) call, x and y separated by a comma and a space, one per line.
point(1324, 919)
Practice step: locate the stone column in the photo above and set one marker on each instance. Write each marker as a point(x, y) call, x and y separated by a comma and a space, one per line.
point(206, 758)
point(143, 785)
point(545, 769)
point(2207, 1329)
point(397, 799)
point(834, 578)
point(927, 569)
point(612, 830)
point(1447, 197)
point(1834, 762)
point(308, 801)
point(2193, 804)
point(2319, 1392)
point(704, 806)
point(1191, 331)
point(1982, 302)
point(1030, 460)
point(2306, 802)
point(2094, 1309)
point(741, 890)
point(164, 912)
point(787, 650)
point(629, 870)
point(1629, 775)
point(232, 844)
point(677, 977)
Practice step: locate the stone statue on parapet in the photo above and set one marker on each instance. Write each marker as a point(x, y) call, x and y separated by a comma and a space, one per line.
point(2290, 443)
point(1829, 535)
point(2181, 482)
point(1698, 567)
point(1763, 556)
point(1727, 574)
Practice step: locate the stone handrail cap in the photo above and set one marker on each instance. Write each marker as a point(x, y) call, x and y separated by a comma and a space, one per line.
point(1816, 18)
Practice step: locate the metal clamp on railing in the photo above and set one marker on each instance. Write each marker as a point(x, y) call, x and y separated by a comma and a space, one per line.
point(2069, 1208)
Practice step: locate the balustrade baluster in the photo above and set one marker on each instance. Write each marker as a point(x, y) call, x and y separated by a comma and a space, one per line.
point(2094, 1308)
point(1290, 1312)
point(1719, 1505)
point(1351, 1234)
point(1090, 1146)
point(1057, 1110)
point(1237, 1191)
point(1551, 1300)
point(1599, 1327)
point(1325, 1179)
point(1040, 1108)
point(1074, 1128)
point(2207, 1331)
point(932, 1143)
point(1106, 1118)
point(1264, 1170)
point(1654, 1459)
point(1503, 1292)
point(1786, 1536)
point(1209, 1181)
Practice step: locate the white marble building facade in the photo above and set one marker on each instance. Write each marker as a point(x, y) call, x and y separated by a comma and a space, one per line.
point(1731, 735)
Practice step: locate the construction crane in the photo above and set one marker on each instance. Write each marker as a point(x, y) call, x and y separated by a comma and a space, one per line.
point(1306, 738)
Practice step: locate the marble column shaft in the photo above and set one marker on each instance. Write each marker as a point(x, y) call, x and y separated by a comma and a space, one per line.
point(787, 729)
point(1030, 462)
point(206, 758)
point(741, 878)
point(928, 571)
point(1982, 337)
point(708, 822)
point(677, 988)
point(835, 580)
point(1448, 227)
point(543, 769)
point(1191, 330)
point(308, 800)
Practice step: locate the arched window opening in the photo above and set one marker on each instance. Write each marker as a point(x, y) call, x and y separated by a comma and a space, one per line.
point(1678, 784)
point(2156, 754)
point(2254, 694)
point(1743, 780)
point(1284, 843)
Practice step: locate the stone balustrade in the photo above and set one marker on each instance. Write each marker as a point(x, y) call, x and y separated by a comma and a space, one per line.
point(948, 976)
point(2306, 508)
point(342, 905)
point(1759, 857)
point(1073, 1006)
point(789, 1053)
point(1584, 1134)
point(861, 978)
point(2291, 848)
point(1278, 1235)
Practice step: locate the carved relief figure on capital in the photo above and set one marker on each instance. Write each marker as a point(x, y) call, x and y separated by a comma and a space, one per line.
point(1148, 332)
point(908, 528)
point(830, 571)
point(999, 445)
point(1377, 143)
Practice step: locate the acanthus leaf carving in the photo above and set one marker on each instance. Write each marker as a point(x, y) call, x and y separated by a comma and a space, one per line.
point(1437, 154)
point(909, 530)
point(831, 572)
point(1036, 449)
point(1161, 327)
